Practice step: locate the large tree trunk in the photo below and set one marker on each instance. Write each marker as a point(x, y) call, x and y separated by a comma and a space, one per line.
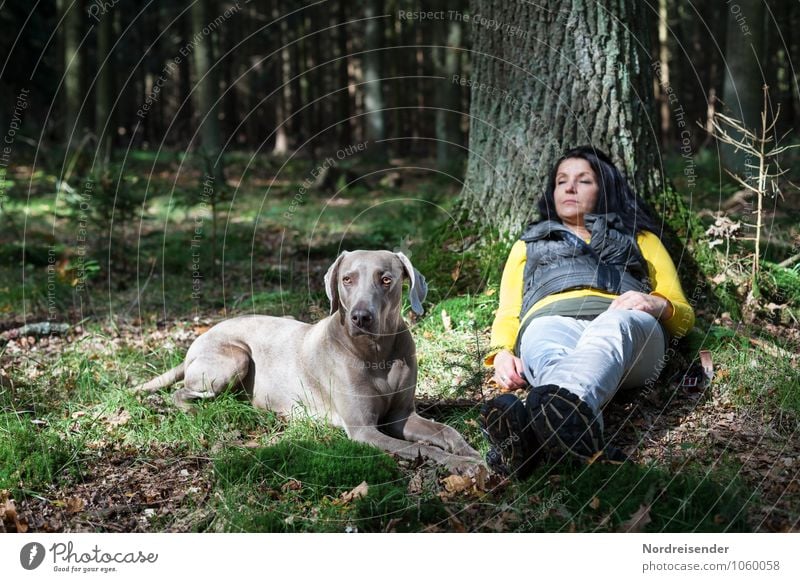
point(565, 76)
point(744, 79)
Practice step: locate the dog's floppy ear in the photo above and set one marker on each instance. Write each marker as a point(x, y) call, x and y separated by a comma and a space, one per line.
point(419, 287)
point(332, 283)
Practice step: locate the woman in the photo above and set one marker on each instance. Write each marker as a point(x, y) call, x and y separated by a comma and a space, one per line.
point(588, 298)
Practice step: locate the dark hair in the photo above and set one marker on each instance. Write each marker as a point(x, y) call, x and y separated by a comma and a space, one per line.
point(614, 195)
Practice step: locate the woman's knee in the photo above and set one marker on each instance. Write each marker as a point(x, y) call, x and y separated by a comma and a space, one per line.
point(628, 320)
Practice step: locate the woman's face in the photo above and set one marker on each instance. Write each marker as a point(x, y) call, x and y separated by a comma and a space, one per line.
point(576, 190)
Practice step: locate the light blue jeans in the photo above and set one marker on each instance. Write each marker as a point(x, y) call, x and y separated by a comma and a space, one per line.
point(620, 348)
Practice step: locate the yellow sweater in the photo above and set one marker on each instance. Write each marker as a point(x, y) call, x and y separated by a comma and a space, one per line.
point(663, 277)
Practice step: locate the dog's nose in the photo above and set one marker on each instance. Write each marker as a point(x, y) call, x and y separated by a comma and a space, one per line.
point(361, 317)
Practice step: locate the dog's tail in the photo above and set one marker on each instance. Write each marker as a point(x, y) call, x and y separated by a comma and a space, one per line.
point(166, 379)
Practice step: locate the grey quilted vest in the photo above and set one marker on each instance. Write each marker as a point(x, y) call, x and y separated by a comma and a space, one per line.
point(559, 260)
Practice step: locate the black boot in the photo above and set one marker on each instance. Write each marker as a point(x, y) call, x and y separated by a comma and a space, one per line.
point(505, 423)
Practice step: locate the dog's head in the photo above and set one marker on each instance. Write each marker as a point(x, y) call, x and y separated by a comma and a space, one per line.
point(366, 288)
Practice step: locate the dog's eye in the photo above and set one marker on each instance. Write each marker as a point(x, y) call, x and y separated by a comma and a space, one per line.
point(347, 280)
point(386, 281)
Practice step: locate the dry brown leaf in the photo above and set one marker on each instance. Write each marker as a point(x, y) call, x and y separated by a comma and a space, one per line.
point(415, 484)
point(21, 523)
point(457, 483)
point(358, 492)
point(594, 503)
point(8, 509)
point(637, 522)
point(119, 418)
point(75, 505)
point(291, 485)
point(475, 481)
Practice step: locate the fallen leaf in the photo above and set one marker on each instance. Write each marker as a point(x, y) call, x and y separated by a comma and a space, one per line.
point(594, 503)
point(291, 485)
point(75, 505)
point(8, 509)
point(457, 483)
point(637, 522)
point(415, 484)
point(359, 492)
point(120, 418)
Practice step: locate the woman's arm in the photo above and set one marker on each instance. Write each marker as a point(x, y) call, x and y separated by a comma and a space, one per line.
point(677, 315)
point(506, 319)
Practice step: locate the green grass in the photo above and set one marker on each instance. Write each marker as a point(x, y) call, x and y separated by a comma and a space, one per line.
point(603, 497)
point(764, 382)
point(33, 458)
point(297, 486)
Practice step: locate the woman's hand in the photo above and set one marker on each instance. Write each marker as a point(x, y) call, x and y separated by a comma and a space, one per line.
point(656, 306)
point(508, 370)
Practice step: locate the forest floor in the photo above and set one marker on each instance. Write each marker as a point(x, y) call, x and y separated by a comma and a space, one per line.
point(79, 452)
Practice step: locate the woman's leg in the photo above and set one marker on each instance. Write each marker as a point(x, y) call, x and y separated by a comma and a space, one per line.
point(546, 343)
point(619, 347)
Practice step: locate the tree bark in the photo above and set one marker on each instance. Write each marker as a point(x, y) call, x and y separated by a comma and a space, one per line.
point(545, 78)
point(343, 95)
point(284, 99)
point(447, 56)
point(103, 123)
point(206, 92)
point(73, 73)
point(374, 130)
point(664, 81)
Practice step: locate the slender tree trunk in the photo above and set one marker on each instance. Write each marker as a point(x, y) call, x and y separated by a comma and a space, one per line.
point(663, 76)
point(73, 72)
point(298, 128)
point(375, 129)
point(284, 93)
point(344, 107)
point(447, 95)
point(589, 83)
point(744, 78)
point(206, 92)
point(186, 113)
point(103, 123)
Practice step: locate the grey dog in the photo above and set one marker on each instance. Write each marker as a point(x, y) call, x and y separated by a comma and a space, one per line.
point(356, 368)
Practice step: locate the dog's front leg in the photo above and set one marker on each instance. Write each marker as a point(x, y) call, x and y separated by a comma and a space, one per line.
point(411, 450)
point(415, 428)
